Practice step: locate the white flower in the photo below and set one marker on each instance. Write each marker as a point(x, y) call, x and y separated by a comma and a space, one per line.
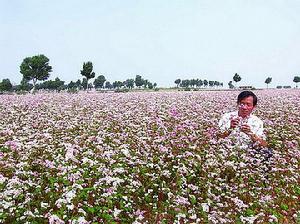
point(205, 207)
point(117, 212)
point(70, 206)
point(194, 216)
point(273, 218)
point(249, 219)
point(81, 220)
point(239, 203)
point(44, 205)
point(125, 152)
point(54, 219)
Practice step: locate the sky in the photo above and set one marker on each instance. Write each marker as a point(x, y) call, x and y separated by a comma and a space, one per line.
point(159, 40)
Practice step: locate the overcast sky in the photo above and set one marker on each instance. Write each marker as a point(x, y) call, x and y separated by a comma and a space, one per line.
point(160, 40)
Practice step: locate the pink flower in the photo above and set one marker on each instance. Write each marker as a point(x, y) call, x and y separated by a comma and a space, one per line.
point(14, 145)
point(49, 164)
point(54, 219)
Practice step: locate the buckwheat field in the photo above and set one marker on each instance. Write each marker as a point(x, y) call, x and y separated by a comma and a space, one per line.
point(145, 158)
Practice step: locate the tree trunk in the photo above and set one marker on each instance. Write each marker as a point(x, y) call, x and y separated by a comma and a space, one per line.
point(33, 89)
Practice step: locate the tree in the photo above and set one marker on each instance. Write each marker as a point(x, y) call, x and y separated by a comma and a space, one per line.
point(177, 82)
point(84, 83)
point(59, 84)
point(117, 84)
point(150, 85)
point(108, 85)
point(87, 71)
point(72, 85)
point(230, 85)
point(78, 84)
point(145, 83)
point(35, 68)
point(268, 81)
point(193, 82)
point(120, 84)
point(185, 83)
point(139, 81)
point(6, 85)
point(199, 83)
point(296, 80)
point(216, 83)
point(205, 82)
point(129, 83)
point(24, 85)
point(99, 82)
point(237, 78)
point(90, 86)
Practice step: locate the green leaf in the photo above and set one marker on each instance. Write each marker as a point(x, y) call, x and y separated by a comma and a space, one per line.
point(193, 199)
point(284, 207)
point(249, 212)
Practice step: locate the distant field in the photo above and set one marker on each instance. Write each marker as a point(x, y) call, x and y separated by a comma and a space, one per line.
point(145, 157)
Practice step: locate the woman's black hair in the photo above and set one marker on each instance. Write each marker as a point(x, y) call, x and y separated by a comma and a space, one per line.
point(246, 94)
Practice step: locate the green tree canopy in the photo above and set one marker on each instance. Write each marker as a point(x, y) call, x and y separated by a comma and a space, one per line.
point(108, 85)
point(87, 71)
point(72, 85)
point(139, 81)
point(6, 85)
point(145, 83)
point(99, 81)
point(35, 68)
point(24, 85)
point(57, 84)
point(177, 82)
point(296, 80)
point(185, 83)
point(268, 81)
point(129, 83)
point(84, 83)
point(117, 84)
point(199, 83)
point(237, 78)
point(79, 84)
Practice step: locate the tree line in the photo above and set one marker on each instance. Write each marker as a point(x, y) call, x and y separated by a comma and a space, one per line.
point(236, 78)
point(192, 83)
point(37, 68)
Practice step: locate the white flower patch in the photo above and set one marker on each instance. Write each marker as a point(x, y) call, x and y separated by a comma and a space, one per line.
point(54, 219)
point(116, 212)
point(205, 207)
point(248, 219)
point(239, 203)
point(266, 198)
point(71, 153)
point(88, 161)
point(2, 179)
